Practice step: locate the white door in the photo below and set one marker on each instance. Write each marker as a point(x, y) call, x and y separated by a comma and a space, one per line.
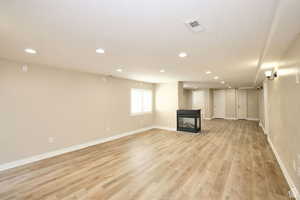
point(242, 104)
point(219, 103)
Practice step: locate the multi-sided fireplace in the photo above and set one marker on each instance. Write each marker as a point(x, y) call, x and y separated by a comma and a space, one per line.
point(189, 120)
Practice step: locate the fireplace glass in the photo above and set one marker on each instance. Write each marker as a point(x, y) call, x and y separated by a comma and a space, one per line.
point(186, 122)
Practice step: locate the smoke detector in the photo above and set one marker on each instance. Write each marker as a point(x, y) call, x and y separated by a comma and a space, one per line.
point(194, 25)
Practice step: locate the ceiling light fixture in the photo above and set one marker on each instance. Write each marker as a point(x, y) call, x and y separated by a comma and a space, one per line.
point(208, 72)
point(268, 74)
point(100, 51)
point(119, 70)
point(182, 55)
point(271, 75)
point(216, 77)
point(229, 87)
point(223, 82)
point(30, 51)
point(162, 71)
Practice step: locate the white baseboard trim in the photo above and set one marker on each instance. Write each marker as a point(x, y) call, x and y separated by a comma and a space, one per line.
point(231, 118)
point(262, 127)
point(43, 156)
point(218, 117)
point(165, 128)
point(208, 118)
point(252, 119)
point(285, 172)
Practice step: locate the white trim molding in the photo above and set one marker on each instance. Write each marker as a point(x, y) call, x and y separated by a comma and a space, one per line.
point(262, 127)
point(218, 117)
point(165, 128)
point(252, 119)
point(288, 178)
point(206, 118)
point(231, 118)
point(43, 156)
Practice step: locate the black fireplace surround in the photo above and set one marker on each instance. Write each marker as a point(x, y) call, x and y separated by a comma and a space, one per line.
point(189, 120)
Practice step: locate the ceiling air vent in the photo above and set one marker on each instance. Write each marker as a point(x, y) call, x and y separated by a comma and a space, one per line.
point(194, 25)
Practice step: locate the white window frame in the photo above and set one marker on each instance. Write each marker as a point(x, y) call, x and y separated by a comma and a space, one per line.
point(142, 103)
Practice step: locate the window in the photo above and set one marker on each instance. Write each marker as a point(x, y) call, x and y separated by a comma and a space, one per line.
point(141, 101)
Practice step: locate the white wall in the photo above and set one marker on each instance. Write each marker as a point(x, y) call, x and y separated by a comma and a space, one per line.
point(72, 107)
point(284, 111)
point(166, 104)
point(181, 97)
point(198, 99)
point(187, 98)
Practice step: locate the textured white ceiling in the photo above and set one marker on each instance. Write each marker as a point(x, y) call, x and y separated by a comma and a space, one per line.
point(142, 36)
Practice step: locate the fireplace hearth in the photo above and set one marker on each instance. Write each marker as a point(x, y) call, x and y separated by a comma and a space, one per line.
point(189, 120)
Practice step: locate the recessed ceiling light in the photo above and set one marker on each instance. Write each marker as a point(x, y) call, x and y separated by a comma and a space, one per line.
point(100, 51)
point(119, 70)
point(216, 77)
point(162, 71)
point(182, 55)
point(223, 82)
point(30, 51)
point(208, 72)
point(229, 87)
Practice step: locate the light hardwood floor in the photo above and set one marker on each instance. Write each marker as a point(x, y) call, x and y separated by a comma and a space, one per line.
point(232, 161)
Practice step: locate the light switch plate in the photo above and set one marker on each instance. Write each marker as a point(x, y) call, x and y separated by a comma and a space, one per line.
point(298, 165)
point(25, 68)
point(50, 140)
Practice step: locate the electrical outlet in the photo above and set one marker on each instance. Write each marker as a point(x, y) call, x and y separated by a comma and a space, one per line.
point(297, 77)
point(107, 128)
point(291, 195)
point(51, 140)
